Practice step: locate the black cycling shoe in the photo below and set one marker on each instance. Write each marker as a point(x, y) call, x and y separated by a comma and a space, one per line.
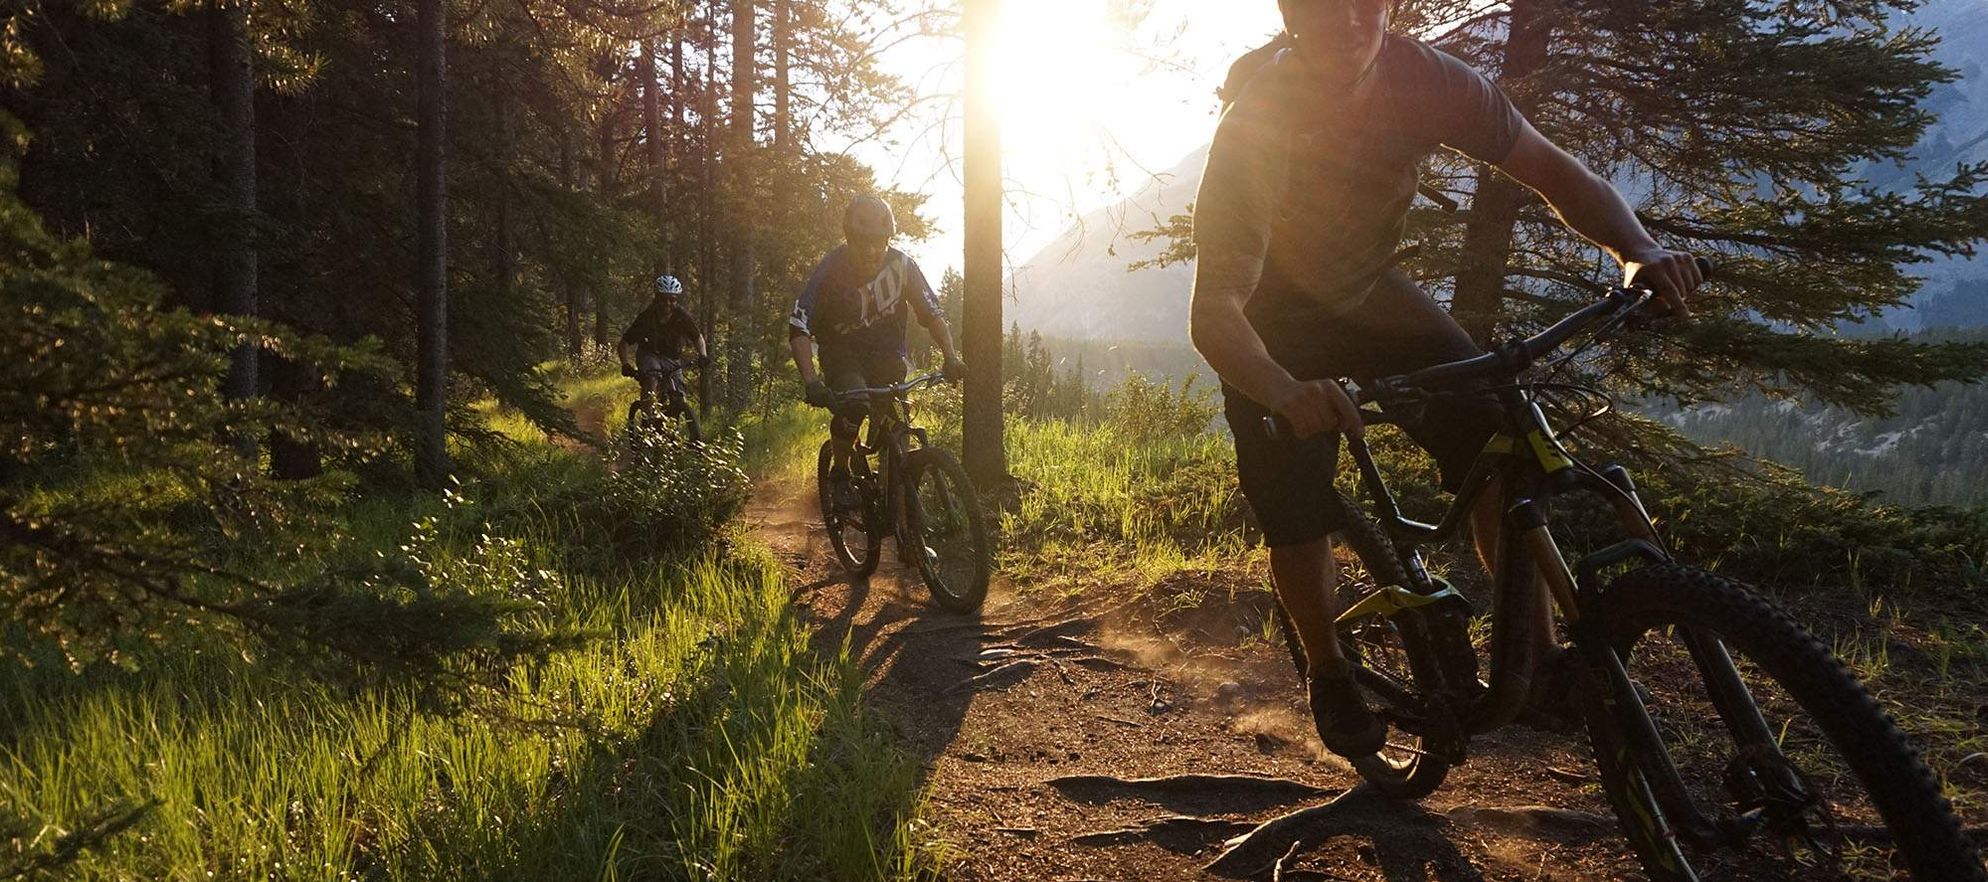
point(1344, 722)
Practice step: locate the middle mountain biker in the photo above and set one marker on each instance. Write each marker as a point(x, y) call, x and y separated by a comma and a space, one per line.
point(1300, 211)
point(662, 332)
point(856, 310)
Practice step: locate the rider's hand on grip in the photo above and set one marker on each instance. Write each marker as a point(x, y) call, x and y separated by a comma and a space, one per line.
point(819, 395)
point(954, 371)
point(703, 360)
point(1671, 275)
point(627, 370)
point(1318, 406)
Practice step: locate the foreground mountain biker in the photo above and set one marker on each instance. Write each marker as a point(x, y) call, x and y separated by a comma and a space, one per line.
point(658, 337)
point(1301, 209)
point(855, 310)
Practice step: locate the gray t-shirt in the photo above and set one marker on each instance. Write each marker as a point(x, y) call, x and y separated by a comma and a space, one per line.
point(1320, 185)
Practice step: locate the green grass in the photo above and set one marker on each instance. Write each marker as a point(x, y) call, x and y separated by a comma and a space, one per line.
point(698, 735)
point(1103, 505)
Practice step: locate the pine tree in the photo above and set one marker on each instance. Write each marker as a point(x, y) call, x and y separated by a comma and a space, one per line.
point(1768, 180)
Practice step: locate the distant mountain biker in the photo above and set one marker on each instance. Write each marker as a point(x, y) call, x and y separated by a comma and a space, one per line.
point(662, 332)
point(855, 309)
point(1303, 204)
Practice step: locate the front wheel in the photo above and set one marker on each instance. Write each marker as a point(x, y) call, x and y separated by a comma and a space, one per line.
point(1784, 767)
point(948, 529)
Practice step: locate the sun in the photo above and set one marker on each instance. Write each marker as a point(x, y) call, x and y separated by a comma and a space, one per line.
point(1057, 70)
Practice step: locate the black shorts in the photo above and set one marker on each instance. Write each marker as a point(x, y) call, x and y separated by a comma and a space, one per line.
point(1398, 328)
point(843, 370)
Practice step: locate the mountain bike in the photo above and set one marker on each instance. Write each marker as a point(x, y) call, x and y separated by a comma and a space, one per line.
point(1730, 742)
point(911, 490)
point(670, 403)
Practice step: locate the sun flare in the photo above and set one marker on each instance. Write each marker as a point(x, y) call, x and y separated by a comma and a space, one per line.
point(1059, 65)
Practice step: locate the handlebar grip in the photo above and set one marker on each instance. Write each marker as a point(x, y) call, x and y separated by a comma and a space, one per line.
point(1706, 267)
point(1277, 428)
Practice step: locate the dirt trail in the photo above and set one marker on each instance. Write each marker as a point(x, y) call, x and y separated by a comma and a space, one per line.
point(1030, 717)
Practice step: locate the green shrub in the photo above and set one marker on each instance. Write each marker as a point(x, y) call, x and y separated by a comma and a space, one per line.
point(669, 495)
point(1143, 409)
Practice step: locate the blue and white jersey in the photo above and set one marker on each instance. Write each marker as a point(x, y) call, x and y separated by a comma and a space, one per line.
point(843, 308)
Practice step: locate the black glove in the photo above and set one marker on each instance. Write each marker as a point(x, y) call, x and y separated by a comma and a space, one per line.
point(954, 370)
point(819, 395)
point(703, 360)
point(627, 370)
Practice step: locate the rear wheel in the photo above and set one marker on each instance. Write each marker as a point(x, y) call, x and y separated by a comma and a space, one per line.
point(1399, 666)
point(855, 535)
point(948, 529)
point(1789, 771)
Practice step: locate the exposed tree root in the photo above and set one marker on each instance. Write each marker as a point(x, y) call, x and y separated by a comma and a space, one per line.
point(1004, 675)
point(1046, 635)
point(1228, 793)
point(1363, 811)
point(1185, 834)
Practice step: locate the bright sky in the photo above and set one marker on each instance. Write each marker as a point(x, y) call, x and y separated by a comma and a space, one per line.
point(1090, 108)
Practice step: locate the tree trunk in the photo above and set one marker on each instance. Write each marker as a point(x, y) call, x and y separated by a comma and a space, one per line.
point(707, 256)
point(1496, 200)
point(677, 86)
point(652, 153)
point(604, 189)
point(431, 293)
point(985, 457)
point(562, 276)
point(232, 86)
point(504, 237)
point(745, 261)
point(783, 87)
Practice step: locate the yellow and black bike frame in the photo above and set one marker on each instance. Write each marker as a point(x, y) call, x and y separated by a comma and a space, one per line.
point(1527, 465)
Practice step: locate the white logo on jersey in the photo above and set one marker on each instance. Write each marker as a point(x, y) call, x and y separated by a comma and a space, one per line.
point(882, 294)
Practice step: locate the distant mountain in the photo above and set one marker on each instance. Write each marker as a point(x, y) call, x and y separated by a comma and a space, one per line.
point(1078, 287)
point(1932, 450)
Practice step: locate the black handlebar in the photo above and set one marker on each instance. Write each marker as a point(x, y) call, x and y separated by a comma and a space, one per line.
point(905, 388)
point(1503, 360)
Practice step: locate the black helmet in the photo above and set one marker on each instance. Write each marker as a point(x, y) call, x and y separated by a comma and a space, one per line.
point(868, 217)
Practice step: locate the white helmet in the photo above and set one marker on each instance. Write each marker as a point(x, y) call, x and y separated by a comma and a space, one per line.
point(669, 285)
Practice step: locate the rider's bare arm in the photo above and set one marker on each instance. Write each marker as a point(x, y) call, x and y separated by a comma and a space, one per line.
point(626, 351)
point(1592, 207)
point(942, 335)
point(803, 347)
